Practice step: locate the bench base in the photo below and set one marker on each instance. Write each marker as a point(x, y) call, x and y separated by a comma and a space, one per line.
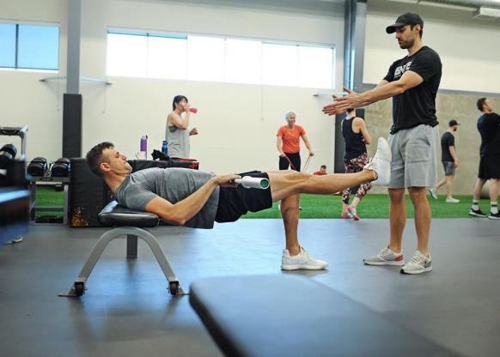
point(132, 233)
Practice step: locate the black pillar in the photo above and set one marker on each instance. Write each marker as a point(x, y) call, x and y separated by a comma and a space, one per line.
point(72, 125)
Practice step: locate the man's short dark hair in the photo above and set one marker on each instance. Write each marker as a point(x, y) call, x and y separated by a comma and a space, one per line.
point(177, 99)
point(94, 156)
point(480, 103)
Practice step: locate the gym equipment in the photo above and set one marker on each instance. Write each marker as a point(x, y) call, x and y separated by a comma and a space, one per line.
point(8, 153)
point(253, 182)
point(131, 224)
point(22, 132)
point(61, 167)
point(38, 167)
point(304, 169)
point(289, 315)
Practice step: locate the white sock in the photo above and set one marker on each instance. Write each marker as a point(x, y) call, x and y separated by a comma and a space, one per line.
point(494, 208)
point(475, 205)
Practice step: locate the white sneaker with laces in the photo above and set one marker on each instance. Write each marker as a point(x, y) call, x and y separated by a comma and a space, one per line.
point(452, 200)
point(301, 261)
point(418, 264)
point(381, 163)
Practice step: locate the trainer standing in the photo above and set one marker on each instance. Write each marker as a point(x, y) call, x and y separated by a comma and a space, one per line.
point(412, 82)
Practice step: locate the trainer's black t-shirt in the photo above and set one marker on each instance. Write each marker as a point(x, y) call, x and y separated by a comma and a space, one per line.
point(417, 105)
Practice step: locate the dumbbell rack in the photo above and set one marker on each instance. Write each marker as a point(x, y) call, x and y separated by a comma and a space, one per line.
point(20, 131)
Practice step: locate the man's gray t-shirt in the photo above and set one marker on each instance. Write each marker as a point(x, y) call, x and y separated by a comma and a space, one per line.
point(173, 184)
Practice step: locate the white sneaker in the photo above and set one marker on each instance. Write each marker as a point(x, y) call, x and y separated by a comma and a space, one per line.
point(386, 257)
point(418, 264)
point(452, 200)
point(301, 261)
point(433, 193)
point(381, 163)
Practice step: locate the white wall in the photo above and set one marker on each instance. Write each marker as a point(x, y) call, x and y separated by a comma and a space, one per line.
point(237, 123)
point(468, 47)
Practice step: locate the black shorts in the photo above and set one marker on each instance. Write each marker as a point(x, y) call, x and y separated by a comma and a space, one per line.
point(235, 202)
point(489, 167)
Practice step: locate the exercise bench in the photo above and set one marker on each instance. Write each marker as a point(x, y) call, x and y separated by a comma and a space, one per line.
point(131, 224)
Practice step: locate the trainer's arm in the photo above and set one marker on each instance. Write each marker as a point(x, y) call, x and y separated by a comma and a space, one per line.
point(382, 91)
point(182, 211)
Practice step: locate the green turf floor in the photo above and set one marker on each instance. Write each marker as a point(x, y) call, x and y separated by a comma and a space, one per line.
point(316, 206)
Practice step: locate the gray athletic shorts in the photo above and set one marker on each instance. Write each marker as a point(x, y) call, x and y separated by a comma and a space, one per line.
point(449, 168)
point(414, 157)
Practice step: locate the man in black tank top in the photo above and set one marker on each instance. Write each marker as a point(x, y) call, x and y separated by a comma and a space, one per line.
point(356, 136)
point(412, 82)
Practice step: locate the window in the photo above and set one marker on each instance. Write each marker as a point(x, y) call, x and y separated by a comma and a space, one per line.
point(8, 45)
point(29, 46)
point(243, 61)
point(219, 59)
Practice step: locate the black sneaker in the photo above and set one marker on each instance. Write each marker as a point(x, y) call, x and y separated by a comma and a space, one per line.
point(494, 215)
point(477, 213)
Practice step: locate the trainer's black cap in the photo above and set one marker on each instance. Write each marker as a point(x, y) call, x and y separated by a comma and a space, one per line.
point(409, 18)
point(453, 123)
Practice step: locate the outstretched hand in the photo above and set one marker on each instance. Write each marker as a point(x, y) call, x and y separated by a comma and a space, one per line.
point(342, 103)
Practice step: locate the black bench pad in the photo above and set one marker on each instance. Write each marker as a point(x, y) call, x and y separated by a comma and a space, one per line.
point(287, 315)
point(115, 215)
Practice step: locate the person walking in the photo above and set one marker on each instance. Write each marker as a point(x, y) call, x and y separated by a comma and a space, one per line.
point(450, 162)
point(412, 82)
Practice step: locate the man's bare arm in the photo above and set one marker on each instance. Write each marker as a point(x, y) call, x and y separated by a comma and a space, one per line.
point(382, 91)
point(182, 211)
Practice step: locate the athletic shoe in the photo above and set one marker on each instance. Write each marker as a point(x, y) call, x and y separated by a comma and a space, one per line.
point(418, 264)
point(301, 261)
point(381, 163)
point(477, 213)
point(494, 215)
point(452, 200)
point(386, 257)
point(433, 193)
point(346, 215)
point(353, 213)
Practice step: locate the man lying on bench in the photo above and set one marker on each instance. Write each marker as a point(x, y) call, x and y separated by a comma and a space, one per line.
point(197, 199)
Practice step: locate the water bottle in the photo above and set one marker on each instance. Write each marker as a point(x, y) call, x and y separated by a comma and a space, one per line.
point(144, 145)
point(164, 147)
